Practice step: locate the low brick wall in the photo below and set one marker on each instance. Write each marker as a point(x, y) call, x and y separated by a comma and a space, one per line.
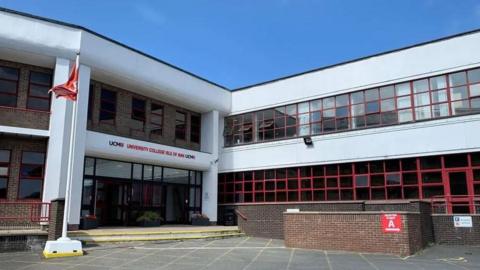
point(352, 231)
point(446, 233)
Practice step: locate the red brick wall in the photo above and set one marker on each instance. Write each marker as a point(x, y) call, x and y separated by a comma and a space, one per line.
point(446, 233)
point(351, 231)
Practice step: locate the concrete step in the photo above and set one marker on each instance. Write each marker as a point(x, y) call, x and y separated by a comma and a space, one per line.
point(106, 236)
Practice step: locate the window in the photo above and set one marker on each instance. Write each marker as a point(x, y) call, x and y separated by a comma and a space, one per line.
point(195, 128)
point(4, 172)
point(8, 86)
point(138, 109)
point(180, 125)
point(32, 170)
point(156, 119)
point(91, 100)
point(38, 96)
point(108, 106)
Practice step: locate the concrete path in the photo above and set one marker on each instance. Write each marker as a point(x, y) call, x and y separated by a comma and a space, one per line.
point(243, 253)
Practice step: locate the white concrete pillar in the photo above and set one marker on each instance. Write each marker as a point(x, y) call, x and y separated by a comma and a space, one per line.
point(209, 144)
point(58, 143)
point(81, 133)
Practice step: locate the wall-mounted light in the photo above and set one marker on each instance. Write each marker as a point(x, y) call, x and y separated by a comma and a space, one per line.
point(308, 141)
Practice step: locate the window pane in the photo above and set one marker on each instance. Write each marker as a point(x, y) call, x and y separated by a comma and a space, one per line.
point(328, 102)
point(475, 90)
point(420, 86)
point(389, 118)
point(8, 100)
point(459, 78)
point(433, 162)
point(303, 107)
point(373, 107)
point(316, 116)
point(474, 75)
point(388, 105)
point(38, 104)
point(304, 130)
point(8, 73)
point(356, 97)
point(433, 177)
point(393, 179)
point(440, 110)
point(3, 188)
point(404, 102)
point(315, 105)
point(33, 158)
point(475, 104)
point(361, 181)
point(39, 91)
point(341, 100)
point(342, 112)
point(421, 99)
point(373, 119)
point(3, 171)
point(438, 82)
point(422, 113)
point(402, 89)
point(387, 92)
point(371, 94)
point(30, 189)
point(429, 192)
point(40, 78)
point(110, 168)
point(458, 93)
point(439, 96)
point(460, 107)
point(405, 116)
point(175, 176)
point(8, 87)
point(458, 160)
point(4, 156)
point(304, 118)
point(358, 109)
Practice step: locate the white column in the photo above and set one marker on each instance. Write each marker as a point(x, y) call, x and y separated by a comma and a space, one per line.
point(80, 137)
point(58, 143)
point(209, 143)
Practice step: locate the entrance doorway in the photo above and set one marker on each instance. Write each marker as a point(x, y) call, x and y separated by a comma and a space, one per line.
point(112, 202)
point(176, 204)
point(459, 191)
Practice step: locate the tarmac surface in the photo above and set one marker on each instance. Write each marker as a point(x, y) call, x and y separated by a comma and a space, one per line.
point(240, 253)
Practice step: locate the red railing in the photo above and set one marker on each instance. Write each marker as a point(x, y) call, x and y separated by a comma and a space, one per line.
point(21, 215)
point(451, 204)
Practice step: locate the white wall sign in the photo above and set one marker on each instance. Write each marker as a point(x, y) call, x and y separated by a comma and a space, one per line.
point(462, 221)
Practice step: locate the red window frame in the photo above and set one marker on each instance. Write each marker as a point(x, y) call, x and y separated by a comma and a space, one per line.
point(180, 126)
point(283, 127)
point(35, 178)
point(112, 113)
point(195, 128)
point(7, 177)
point(337, 182)
point(16, 88)
point(32, 96)
point(158, 126)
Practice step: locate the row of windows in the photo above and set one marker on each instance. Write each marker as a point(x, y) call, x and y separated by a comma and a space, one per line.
point(108, 111)
point(411, 178)
point(39, 83)
point(32, 171)
point(435, 97)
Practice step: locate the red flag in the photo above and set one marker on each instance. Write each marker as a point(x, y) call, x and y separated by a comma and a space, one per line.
point(69, 89)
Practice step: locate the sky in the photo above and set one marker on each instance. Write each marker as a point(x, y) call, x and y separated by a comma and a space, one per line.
point(236, 43)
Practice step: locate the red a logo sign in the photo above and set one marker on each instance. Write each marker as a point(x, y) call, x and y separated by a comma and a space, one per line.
point(391, 223)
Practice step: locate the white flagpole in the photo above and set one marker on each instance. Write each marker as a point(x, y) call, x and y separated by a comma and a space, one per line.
point(71, 153)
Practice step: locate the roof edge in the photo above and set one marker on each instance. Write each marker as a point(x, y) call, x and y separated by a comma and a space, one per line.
point(358, 59)
point(71, 25)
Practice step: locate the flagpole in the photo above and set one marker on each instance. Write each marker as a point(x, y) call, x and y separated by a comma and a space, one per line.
point(71, 153)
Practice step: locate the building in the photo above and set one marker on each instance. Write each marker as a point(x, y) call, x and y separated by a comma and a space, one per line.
point(396, 126)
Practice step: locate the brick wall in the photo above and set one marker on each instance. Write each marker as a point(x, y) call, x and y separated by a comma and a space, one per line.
point(351, 231)
point(125, 126)
point(55, 225)
point(446, 233)
point(19, 116)
point(266, 220)
point(16, 145)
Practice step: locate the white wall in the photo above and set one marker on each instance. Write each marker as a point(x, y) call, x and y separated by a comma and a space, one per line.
point(209, 143)
point(453, 54)
point(425, 138)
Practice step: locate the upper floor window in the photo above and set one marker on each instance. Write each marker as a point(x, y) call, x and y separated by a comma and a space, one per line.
point(91, 98)
point(38, 96)
point(156, 119)
point(8, 86)
point(138, 109)
point(195, 128)
point(180, 125)
point(4, 172)
point(108, 106)
point(429, 98)
point(32, 171)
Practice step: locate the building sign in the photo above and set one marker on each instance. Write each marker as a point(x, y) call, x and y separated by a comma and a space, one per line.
point(462, 221)
point(391, 223)
point(135, 147)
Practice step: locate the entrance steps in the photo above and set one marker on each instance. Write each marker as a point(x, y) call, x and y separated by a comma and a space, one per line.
point(170, 233)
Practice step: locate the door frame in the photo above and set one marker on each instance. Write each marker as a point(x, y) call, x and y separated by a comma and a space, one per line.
point(468, 199)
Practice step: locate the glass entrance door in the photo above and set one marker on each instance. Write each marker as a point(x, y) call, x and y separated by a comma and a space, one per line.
point(459, 191)
point(112, 202)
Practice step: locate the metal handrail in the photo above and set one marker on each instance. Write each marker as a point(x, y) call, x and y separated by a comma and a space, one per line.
point(447, 202)
point(240, 214)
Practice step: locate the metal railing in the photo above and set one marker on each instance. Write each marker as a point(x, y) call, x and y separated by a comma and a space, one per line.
point(451, 204)
point(23, 215)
